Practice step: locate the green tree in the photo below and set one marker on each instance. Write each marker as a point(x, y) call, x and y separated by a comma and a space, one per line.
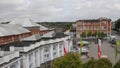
point(103, 34)
point(89, 33)
point(117, 65)
point(90, 64)
point(101, 63)
point(83, 34)
point(117, 24)
point(104, 63)
point(70, 60)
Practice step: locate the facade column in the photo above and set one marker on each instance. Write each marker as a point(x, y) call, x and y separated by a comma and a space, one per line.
point(38, 58)
point(110, 28)
point(26, 61)
point(58, 50)
point(18, 66)
point(107, 29)
point(62, 49)
point(42, 54)
point(33, 59)
point(51, 52)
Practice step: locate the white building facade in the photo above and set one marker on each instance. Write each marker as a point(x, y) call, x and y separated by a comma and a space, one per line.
point(40, 52)
point(31, 51)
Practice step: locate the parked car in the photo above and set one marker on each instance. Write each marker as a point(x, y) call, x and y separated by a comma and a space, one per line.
point(84, 50)
point(85, 43)
point(113, 41)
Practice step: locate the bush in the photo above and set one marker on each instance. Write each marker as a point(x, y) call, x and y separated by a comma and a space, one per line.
point(70, 60)
point(90, 64)
point(117, 65)
point(101, 63)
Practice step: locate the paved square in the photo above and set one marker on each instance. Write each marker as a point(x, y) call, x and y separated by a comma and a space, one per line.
point(106, 50)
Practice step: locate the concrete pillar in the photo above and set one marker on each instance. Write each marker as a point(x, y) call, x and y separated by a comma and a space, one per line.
point(33, 59)
point(26, 61)
point(62, 49)
point(38, 58)
point(12, 48)
point(18, 66)
point(58, 50)
point(42, 54)
point(51, 52)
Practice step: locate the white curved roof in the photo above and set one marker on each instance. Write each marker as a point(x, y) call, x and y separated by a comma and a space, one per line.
point(25, 22)
point(4, 32)
point(16, 29)
point(8, 29)
point(43, 27)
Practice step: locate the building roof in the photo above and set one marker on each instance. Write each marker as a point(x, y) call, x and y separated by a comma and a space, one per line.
point(49, 34)
point(57, 35)
point(32, 38)
point(94, 20)
point(24, 22)
point(5, 47)
point(43, 27)
point(8, 29)
point(89, 20)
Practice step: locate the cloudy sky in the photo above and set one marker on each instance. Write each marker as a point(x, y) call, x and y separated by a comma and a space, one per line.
point(59, 10)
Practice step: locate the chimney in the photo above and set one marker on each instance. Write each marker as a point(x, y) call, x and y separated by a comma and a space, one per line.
point(12, 48)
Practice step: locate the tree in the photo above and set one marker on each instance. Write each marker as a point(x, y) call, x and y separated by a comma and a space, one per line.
point(117, 24)
point(83, 34)
point(90, 64)
point(70, 60)
point(104, 63)
point(117, 65)
point(101, 63)
point(103, 34)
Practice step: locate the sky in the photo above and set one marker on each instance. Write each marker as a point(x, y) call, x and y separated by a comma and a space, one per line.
point(59, 10)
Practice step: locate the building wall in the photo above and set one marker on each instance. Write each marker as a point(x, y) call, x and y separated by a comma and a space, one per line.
point(44, 53)
point(93, 26)
point(17, 63)
point(39, 55)
point(13, 38)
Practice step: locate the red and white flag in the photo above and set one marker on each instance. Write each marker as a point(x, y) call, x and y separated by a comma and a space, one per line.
point(64, 45)
point(81, 30)
point(99, 48)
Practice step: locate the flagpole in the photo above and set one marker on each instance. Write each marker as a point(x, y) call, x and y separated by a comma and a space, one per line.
point(116, 49)
point(81, 44)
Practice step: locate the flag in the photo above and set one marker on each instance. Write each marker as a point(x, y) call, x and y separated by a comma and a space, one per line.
point(81, 31)
point(99, 48)
point(64, 45)
point(116, 48)
point(81, 44)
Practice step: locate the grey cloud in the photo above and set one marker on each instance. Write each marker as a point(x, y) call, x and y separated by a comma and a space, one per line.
point(59, 10)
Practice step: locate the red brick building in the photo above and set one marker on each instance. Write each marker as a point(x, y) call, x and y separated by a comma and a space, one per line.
point(93, 25)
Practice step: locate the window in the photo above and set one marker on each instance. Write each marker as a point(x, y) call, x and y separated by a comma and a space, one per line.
point(46, 49)
point(104, 22)
point(14, 65)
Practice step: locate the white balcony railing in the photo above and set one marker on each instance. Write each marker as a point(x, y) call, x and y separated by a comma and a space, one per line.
point(32, 46)
point(7, 56)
